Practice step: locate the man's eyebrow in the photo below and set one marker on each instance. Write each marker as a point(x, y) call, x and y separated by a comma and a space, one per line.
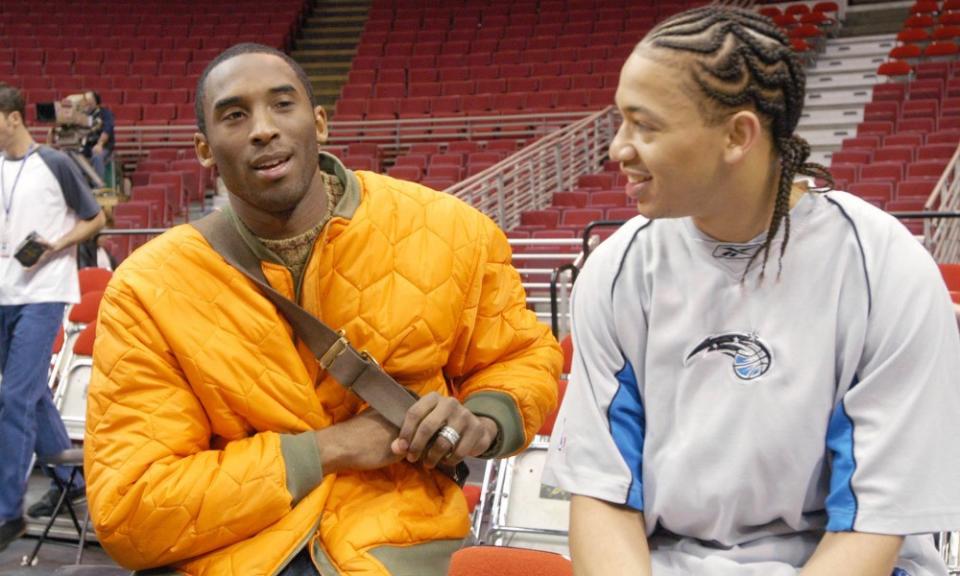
point(226, 102)
point(643, 110)
point(233, 100)
point(285, 89)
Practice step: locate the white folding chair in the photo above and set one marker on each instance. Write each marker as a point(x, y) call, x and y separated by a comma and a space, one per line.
point(950, 551)
point(523, 512)
point(71, 397)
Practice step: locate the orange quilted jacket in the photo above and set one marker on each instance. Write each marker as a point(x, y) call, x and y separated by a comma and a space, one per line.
point(198, 450)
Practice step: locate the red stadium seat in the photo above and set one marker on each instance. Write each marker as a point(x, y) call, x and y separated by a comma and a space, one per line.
point(902, 154)
point(892, 171)
point(915, 188)
point(852, 156)
point(580, 217)
point(926, 169)
point(896, 70)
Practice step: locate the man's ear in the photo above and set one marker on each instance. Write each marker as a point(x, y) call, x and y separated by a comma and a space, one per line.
point(744, 131)
point(202, 147)
point(323, 131)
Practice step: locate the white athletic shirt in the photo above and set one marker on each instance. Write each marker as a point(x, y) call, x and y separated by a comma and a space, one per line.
point(745, 418)
point(49, 196)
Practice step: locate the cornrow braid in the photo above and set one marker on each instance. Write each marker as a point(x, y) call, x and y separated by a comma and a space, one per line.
point(743, 59)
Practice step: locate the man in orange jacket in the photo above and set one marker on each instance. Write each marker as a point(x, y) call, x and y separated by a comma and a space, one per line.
point(216, 444)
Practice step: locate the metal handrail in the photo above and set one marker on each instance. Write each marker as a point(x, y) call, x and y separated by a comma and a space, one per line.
point(527, 180)
point(134, 141)
point(942, 238)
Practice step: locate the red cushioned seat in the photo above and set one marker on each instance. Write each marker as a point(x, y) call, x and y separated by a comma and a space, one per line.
point(926, 169)
point(902, 154)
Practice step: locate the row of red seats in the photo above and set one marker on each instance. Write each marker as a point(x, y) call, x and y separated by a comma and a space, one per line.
point(575, 219)
point(183, 16)
point(513, 41)
point(415, 167)
point(55, 8)
point(140, 69)
point(121, 83)
point(109, 43)
point(119, 56)
point(605, 34)
point(799, 9)
point(111, 97)
point(479, 66)
point(556, 76)
point(539, 11)
point(147, 30)
point(891, 171)
point(551, 84)
point(901, 154)
point(925, 125)
point(576, 19)
point(927, 88)
point(894, 111)
point(932, 22)
point(932, 7)
point(472, 105)
point(819, 19)
point(911, 53)
point(921, 36)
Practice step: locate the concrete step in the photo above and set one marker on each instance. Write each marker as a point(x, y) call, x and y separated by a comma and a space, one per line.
point(323, 12)
point(349, 20)
point(837, 99)
point(826, 137)
point(326, 68)
point(320, 32)
point(861, 47)
point(322, 56)
point(838, 118)
point(834, 65)
point(327, 43)
point(821, 155)
point(843, 81)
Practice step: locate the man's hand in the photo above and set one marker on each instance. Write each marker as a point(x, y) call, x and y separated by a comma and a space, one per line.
point(98, 149)
point(49, 251)
point(361, 443)
point(431, 413)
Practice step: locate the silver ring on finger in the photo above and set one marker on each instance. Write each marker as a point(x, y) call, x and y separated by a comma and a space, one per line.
point(450, 435)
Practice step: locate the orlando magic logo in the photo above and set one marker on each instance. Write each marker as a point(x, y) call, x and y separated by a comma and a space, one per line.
point(751, 357)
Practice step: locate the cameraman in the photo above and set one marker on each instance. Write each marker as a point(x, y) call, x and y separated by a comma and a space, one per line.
point(98, 146)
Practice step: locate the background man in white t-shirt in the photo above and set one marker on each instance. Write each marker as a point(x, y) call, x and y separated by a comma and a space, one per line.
point(42, 191)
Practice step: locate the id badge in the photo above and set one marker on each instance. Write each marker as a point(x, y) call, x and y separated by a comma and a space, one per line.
point(6, 246)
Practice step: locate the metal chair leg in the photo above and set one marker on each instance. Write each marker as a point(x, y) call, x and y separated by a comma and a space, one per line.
point(31, 559)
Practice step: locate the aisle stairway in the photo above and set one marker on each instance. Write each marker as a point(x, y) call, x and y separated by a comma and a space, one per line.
point(839, 84)
point(327, 45)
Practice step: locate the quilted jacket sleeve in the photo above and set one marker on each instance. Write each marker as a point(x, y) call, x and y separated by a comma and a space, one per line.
point(157, 491)
point(505, 363)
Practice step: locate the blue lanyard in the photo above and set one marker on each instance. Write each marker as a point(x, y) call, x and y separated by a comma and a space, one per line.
point(8, 205)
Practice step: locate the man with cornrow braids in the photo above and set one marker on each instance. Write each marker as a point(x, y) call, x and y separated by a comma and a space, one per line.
point(726, 417)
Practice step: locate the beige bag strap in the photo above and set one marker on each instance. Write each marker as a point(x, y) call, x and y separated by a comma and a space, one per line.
point(356, 371)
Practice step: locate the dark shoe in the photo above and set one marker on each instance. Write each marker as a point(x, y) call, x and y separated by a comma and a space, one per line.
point(10, 531)
point(46, 504)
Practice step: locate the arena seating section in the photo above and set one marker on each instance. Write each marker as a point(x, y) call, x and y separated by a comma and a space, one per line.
point(458, 59)
point(455, 59)
point(911, 128)
point(143, 57)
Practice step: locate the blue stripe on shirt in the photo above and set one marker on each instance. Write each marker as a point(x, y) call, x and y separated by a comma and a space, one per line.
point(627, 426)
point(841, 502)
